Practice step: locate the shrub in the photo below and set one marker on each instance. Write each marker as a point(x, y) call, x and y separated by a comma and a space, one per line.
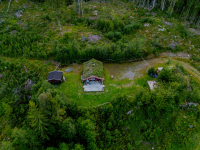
point(65, 39)
point(46, 17)
point(155, 52)
point(195, 58)
point(86, 10)
point(101, 24)
point(147, 20)
point(118, 24)
point(118, 35)
point(181, 68)
point(151, 70)
point(169, 61)
point(137, 26)
point(182, 30)
point(89, 21)
point(166, 74)
point(114, 36)
point(110, 35)
point(128, 29)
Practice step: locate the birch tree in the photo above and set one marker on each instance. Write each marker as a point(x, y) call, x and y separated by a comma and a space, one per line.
point(188, 10)
point(171, 7)
point(154, 4)
point(9, 5)
point(79, 7)
point(163, 5)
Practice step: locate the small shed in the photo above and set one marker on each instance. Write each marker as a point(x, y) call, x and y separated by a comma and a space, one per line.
point(55, 77)
point(93, 75)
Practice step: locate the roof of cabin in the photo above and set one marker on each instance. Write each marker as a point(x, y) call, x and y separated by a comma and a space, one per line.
point(55, 75)
point(93, 67)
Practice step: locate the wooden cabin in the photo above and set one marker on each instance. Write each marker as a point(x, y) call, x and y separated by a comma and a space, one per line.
point(92, 71)
point(55, 77)
point(93, 75)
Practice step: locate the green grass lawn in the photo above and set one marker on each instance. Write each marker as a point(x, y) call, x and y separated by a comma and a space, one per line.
point(73, 86)
point(73, 89)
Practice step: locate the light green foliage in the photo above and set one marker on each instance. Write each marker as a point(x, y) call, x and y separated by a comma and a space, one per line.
point(86, 131)
point(20, 138)
point(109, 126)
point(45, 103)
point(69, 129)
point(51, 148)
point(6, 145)
point(7, 109)
point(78, 147)
point(135, 48)
point(37, 120)
point(129, 147)
point(24, 139)
point(50, 105)
point(63, 146)
point(108, 138)
point(116, 133)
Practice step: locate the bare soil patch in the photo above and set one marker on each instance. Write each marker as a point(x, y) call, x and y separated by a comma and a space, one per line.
point(194, 31)
point(179, 54)
point(132, 70)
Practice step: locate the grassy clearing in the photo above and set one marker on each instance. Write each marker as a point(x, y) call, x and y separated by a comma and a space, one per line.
point(73, 89)
point(73, 86)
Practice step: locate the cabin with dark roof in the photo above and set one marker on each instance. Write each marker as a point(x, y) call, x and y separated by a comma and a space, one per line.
point(93, 76)
point(55, 77)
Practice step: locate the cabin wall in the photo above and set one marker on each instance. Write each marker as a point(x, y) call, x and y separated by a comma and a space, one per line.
point(54, 81)
point(93, 79)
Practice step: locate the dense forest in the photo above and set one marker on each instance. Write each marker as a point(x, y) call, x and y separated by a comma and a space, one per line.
point(37, 35)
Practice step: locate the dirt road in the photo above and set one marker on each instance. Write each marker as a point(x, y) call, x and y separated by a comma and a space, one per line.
point(138, 69)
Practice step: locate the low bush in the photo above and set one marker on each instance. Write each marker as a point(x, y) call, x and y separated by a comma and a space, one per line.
point(137, 26)
point(195, 58)
point(89, 21)
point(151, 70)
point(147, 20)
point(65, 39)
point(130, 28)
point(117, 35)
point(102, 25)
point(114, 36)
point(182, 30)
point(110, 35)
point(46, 18)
